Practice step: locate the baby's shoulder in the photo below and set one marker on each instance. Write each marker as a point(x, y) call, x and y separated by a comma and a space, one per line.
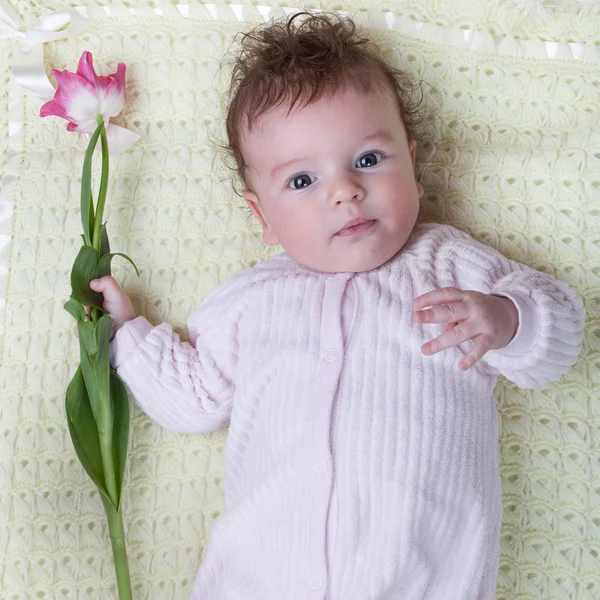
point(444, 254)
point(439, 250)
point(239, 288)
point(431, 239)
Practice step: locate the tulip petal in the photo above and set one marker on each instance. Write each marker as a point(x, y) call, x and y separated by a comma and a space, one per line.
point(113, 97)
point(53, 108)
point(87, 126)
point(74, 100)
point(83, 111)
point(85, 68)
point(83, 95)
point(110, 90)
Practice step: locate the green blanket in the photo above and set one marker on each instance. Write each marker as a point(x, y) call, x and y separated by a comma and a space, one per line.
point(510, 153)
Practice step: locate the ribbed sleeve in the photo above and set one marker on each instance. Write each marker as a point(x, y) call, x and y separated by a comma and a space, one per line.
point(551, 316)
point(184, 386)
point(556, 345)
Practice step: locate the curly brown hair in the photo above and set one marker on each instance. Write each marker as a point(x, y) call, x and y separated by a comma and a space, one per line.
point(302, 59)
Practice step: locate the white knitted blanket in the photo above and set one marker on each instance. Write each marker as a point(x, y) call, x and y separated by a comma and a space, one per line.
point(511, 154)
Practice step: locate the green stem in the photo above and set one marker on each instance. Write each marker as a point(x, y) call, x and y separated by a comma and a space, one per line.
point(103, 185)
point(87, 200)
point(117, 539)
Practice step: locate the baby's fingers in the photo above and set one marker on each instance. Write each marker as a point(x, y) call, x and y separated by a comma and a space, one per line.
point(476, 352)
point(106, 285)
point(453, 312)
point(439, 296)
point(451, 337)
point(448, 326)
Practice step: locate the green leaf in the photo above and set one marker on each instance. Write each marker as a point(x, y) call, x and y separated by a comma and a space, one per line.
point(104, 244)
point(86, 187)
point(87, 364)
point(82, 428)
point(120, 401)
point(88, 336)
point(75, 309)
point(103, 367)
point(104, 264)
point(104, 324)
point(94, 361)
point(91, 216)
point(84, 270)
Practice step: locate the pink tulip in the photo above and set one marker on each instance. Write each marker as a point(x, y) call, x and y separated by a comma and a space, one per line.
point(82, 96)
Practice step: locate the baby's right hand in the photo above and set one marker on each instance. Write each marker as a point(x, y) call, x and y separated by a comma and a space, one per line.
point(116, 303)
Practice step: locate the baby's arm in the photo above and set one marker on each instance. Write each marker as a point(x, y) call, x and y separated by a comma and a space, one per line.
point(186, 387)
point(551, 317)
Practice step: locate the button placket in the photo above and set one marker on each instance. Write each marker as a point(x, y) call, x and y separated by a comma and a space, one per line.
point(320, 452)
point(331, 354)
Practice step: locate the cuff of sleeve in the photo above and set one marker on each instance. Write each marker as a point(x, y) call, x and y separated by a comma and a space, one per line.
point(529, 324)
point(127, 339)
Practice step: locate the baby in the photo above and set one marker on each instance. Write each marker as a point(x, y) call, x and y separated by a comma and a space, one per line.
point(362, 455)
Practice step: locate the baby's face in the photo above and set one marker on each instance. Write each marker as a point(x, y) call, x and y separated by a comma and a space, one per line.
point(334, 182)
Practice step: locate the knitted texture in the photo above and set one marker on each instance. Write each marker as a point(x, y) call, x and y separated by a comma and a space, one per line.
point(559, 20)
point(510, 153)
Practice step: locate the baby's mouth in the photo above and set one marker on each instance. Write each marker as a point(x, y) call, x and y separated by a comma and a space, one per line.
point(356, 227)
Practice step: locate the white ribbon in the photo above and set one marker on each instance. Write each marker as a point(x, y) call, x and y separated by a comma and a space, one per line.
point(28, 59)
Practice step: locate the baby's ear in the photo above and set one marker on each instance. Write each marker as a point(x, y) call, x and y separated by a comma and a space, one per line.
point(412, 148)
point(269, 235)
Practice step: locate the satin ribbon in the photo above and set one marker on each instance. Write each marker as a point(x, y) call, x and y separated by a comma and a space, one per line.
point(28, 59)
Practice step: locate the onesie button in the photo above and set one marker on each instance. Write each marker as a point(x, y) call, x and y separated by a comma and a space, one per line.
point(330, 355)
point(315, 582)
point(320, 466)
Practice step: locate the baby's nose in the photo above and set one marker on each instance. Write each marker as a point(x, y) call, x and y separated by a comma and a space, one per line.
point(347, 189)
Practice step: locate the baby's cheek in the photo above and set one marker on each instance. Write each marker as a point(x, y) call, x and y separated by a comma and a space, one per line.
point(302, 234)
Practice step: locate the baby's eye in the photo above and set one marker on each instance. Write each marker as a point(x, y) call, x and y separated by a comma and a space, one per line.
point(300, 181)
point(370, 159)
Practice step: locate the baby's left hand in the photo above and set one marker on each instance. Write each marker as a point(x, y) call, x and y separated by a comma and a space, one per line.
point(490, 321)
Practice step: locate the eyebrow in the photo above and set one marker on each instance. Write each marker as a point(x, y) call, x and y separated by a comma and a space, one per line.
point(284, 165)
point(378, 135)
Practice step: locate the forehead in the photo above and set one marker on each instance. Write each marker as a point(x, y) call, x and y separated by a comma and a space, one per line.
point(348, 114)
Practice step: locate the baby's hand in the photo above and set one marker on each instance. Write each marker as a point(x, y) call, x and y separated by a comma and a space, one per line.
point(116, 303)
point(490, 321)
